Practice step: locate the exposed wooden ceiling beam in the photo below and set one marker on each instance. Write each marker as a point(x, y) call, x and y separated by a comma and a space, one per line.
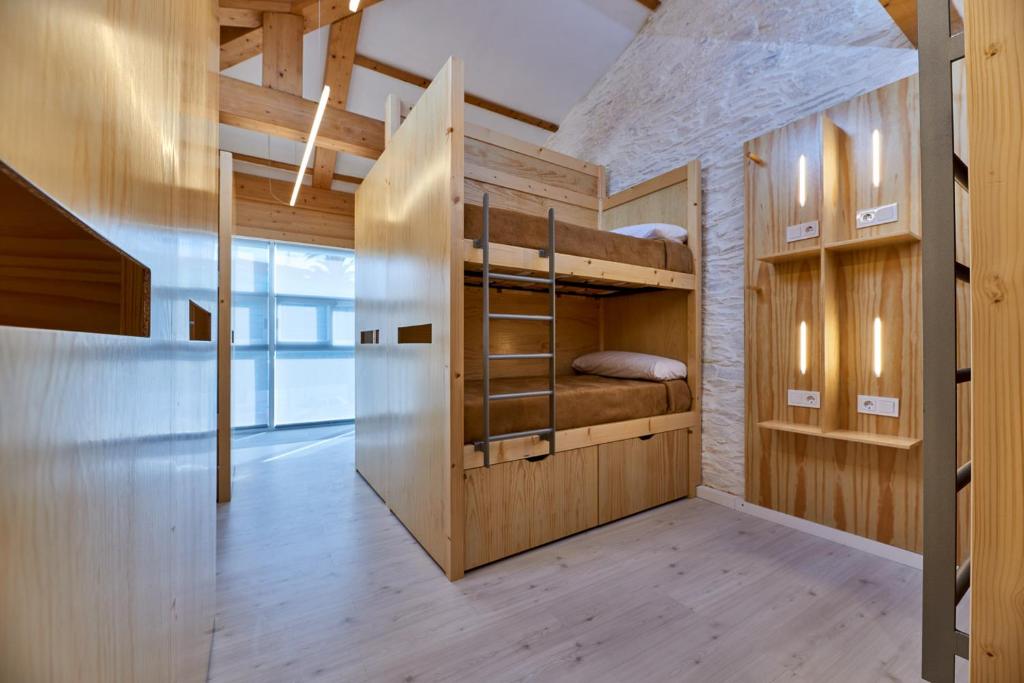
point(282, 52)
point(243, 18)
point(258, 5)
point(314, 15)
point(341, 53)
point(423, 82)
point(652, 5)
point(289, 116)
point(291, 168)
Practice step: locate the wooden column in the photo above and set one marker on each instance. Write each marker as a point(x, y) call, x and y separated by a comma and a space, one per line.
point(282, 52)
point(227, 220)
point(995, 63)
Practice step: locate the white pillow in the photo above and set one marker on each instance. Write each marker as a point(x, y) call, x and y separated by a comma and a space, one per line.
point(655, 231)
point(630, 365)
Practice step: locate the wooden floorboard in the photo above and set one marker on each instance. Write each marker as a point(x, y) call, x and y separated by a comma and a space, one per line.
point(317, 581)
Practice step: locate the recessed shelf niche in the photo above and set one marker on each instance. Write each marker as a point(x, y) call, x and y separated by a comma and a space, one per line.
point(57, 273)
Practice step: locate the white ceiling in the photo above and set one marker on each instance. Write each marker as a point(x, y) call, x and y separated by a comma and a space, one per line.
point(537, 56)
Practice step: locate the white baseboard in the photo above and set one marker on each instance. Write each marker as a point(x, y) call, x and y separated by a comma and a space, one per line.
point(844, 537)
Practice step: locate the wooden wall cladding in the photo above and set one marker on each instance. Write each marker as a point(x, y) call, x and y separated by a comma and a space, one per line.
point(107, 464)
point(833, 465)
point(321, 217)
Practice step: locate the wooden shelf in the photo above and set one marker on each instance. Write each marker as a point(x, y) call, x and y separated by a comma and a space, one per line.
point(904, 443)
point(800, 254)
point(872, 242)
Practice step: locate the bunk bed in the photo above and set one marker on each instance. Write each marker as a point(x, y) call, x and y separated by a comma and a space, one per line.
point(485, 268)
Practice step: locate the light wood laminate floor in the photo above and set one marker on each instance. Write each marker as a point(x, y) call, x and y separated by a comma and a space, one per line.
point(317, 581)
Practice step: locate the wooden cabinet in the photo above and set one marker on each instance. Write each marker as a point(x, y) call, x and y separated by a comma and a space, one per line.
point(519, 505)
point(637, 474)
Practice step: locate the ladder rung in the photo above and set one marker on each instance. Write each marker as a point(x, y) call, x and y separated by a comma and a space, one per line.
point(521, 278)
point(963, 476)
point(519, 394)
point(518, 316)
point(519, 435)
point(963, 375)
point(961, 644)
point(518, 356)
point(963, 580)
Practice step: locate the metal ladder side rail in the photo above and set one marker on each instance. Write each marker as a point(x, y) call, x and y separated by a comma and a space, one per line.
point(944, 583)
point(548, 433)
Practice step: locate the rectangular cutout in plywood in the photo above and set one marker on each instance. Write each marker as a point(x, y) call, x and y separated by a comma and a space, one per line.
point(416, 334)
point(57, 273)
point(200, 323)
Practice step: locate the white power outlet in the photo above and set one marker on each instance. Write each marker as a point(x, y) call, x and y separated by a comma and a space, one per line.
point(879, 215)
point(802, 231)
point(883, 406)
point(804, 399)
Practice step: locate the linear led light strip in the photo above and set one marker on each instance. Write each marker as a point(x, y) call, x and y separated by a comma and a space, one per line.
point(310, 143)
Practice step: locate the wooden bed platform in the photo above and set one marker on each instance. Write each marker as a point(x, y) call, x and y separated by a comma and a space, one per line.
point(419, 319)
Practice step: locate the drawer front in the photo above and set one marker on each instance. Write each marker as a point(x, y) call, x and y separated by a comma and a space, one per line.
point(637, 474)
point(518, 505)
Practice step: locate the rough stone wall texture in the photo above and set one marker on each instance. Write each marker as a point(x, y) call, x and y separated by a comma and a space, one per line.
point(700, 79)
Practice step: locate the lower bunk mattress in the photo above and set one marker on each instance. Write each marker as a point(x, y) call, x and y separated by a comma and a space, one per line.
point(581, 401)
point(531, 232)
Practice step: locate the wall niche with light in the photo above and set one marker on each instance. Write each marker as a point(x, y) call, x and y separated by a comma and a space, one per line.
point(833, 317)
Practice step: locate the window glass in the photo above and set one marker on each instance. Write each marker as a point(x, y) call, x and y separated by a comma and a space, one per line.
point(309, 271)
point(313, 387)
point(298, 323)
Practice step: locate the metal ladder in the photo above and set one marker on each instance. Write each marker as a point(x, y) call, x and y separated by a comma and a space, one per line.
point(548, 433)
point(945, 583)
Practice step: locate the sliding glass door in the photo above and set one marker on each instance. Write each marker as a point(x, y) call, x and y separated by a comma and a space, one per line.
point(293, 327)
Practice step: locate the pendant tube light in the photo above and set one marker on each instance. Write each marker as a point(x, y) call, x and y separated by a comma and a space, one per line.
point(353, 5)
point(310, 142)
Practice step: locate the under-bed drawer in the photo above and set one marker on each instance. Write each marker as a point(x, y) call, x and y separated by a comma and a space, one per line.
point(517, 505)
point(637, 474)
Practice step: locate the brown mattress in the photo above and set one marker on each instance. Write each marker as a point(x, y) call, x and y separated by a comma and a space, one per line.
point(521, 230)
point(582, 400)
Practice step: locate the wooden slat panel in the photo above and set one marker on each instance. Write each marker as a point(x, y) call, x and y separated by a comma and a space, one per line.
point(493, 157)
point(637, 474)
point(270, 163)
point(277, 113)
point(995, 62)
point(293, 224)
point(277, 192)
point(515, 144)
point(530, 204)
point(519, 505)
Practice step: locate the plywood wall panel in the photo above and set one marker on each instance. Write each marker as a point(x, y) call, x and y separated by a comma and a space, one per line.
point(107, 464)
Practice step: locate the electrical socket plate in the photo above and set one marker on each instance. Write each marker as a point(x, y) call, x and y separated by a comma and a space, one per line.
point(879, 215)
point(804, 399)
point(802, 231)
point(883, 406)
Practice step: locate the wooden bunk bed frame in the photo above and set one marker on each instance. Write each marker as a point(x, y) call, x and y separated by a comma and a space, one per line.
point(419, 333)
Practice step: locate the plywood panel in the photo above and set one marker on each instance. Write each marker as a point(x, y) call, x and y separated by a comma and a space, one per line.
point(995, 90)
point(637, 474)
point(107, 469)
point(530, 204)
point(893, 112)
point(419, 178)
point(519, 505)
point(648, 322)
point(293, 224)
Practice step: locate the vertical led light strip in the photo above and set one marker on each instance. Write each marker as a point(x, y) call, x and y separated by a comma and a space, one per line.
point(803, 347)
point(877, 351)
point(803, 181)
point(310, 143)
point(876, 157)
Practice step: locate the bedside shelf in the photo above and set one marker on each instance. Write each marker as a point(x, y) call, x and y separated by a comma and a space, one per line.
point(872, 242)
point(903, 443)
point(793, 255)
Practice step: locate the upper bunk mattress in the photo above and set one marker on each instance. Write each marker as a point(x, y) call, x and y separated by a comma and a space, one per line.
point(531, 232)
point(581, 401)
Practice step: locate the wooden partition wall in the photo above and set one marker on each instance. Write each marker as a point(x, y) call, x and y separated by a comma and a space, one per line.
point(817, 296)
point(409, 226)
point(107, 514)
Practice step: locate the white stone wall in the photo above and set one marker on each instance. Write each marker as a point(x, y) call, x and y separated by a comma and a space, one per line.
point(701, 78)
